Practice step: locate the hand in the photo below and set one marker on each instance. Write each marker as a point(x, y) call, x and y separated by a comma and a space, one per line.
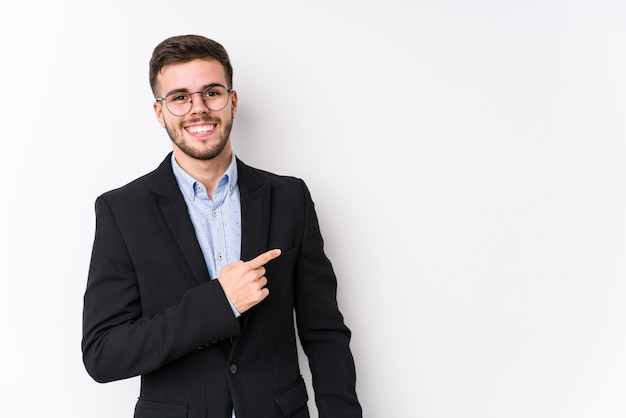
point(244, 282)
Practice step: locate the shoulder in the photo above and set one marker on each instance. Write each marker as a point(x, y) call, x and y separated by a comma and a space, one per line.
point(161, 178)
point(252, 177)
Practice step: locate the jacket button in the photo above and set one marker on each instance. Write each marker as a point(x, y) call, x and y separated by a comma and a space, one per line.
point(232, 369)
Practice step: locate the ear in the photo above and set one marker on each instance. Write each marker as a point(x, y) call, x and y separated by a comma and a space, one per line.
point(233, 103)
point(158, 111)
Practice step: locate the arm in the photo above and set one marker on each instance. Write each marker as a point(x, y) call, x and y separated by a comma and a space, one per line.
point(324, 336)
point(119, 341)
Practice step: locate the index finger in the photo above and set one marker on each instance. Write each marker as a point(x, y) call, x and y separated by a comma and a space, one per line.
point(264, 258)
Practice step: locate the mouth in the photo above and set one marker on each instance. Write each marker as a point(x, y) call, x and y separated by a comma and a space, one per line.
point(200, 130)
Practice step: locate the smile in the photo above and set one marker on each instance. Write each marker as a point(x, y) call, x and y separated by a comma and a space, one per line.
point(200, 129)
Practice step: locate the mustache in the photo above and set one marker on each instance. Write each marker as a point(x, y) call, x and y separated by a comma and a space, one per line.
point(206, 119)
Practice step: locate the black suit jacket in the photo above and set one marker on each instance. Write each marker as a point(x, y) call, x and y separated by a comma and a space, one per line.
point(151, 309)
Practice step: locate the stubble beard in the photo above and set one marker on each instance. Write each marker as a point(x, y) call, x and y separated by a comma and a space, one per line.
point(204, 154)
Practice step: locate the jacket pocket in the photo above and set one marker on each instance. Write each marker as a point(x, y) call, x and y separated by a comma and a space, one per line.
point(292, 398)
point(153, 409)
point(285, 257)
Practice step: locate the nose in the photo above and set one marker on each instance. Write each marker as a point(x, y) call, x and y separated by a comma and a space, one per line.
point(198, 105)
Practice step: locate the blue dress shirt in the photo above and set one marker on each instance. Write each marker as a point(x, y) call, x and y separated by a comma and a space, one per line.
point(217, 221)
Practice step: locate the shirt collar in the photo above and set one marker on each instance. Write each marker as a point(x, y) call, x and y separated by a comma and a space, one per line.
point(190, 186)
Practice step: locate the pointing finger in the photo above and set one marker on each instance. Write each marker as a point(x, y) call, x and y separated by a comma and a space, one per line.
point(264, 258)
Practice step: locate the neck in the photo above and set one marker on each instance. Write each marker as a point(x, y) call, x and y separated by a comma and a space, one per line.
point(207, 172)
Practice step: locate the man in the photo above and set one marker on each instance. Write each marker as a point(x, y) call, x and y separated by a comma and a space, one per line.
point(168, 296)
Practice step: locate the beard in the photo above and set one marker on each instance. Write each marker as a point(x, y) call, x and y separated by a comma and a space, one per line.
point(200, 153)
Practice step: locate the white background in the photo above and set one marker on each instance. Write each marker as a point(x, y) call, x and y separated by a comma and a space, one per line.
point(466, 159)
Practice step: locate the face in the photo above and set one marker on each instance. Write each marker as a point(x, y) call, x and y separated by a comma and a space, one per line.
point(201, 134)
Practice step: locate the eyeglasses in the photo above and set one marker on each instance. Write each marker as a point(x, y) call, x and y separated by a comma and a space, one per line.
point(179, 103)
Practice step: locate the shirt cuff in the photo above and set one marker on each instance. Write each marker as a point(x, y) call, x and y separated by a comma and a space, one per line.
point(235, 311)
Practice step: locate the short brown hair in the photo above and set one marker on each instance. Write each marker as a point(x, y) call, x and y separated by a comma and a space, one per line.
point(185, 48)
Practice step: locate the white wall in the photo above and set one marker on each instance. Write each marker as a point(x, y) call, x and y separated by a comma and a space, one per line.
point(466, 159)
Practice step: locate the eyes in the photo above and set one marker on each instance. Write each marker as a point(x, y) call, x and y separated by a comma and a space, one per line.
point(179, 103)
point(211, 93)
point(178, 97)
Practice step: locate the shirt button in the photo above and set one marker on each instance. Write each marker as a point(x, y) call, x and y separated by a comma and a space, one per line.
point(220, 256)
point(214, 213)
point(233, 369)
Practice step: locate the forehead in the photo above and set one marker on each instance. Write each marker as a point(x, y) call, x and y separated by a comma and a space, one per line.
point(191, 75)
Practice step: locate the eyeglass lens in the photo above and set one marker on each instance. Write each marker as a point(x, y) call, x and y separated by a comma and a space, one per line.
point(179, 103)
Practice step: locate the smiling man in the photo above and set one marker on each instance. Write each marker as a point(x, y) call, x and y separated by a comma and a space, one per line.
point(198, 267)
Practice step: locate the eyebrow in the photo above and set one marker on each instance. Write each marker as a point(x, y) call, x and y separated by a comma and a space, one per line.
point(208, 86)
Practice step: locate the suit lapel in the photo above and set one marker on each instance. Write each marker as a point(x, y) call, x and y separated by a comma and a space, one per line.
point(255, 212)
point(174, 210)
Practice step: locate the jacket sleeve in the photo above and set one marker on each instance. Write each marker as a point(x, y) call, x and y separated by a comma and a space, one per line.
point(324, 336)
point(119, 341)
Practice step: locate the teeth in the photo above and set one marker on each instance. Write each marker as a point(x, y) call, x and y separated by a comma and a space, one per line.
point(200, 129)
